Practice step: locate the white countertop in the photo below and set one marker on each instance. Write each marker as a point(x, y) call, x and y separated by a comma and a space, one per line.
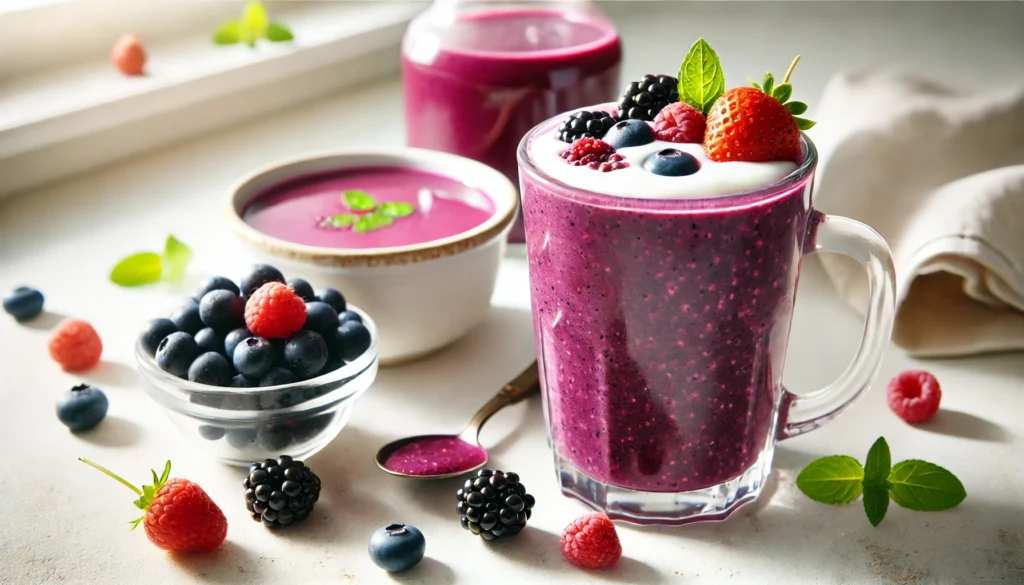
point(67, 523)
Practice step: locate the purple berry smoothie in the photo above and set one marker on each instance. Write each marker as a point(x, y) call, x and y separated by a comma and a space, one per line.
point(439, 455)
point(292, 210)
point(477, 86)
point(661, 327)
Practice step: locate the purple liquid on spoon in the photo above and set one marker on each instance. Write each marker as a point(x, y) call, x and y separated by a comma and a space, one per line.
point(435, 456)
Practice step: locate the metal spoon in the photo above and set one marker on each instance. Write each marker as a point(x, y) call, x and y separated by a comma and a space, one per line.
point(525, 384)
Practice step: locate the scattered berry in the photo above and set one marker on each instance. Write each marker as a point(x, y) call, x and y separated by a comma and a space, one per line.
point(746, 124)
point(82, 407)
point(321, 317)
point(153, 332)
point(221, 309)
point(259, 275)
point(24, 303)
point(279, 493)
point(305, 353)
point(232, 339)
point(274, 311)
point(240, 381)
point(254, 357)
point(187, 318)
point(629, 133)
point(346, 316)
point(593, 124)
point(216, 283)
point(75, 345)
point(302, 288)
point(591, 542)
point(210, 368)
point(208, 340)
point(128, 56)
point(643, 99)
point(179, 515)
point(351, 340)
point(397, 547)
point(494, 504)
point(595, 154)
point(175, 353)
point(333, 298)
point(670, 162)
point(277, 376)
point(680, 122)
point(914, 395)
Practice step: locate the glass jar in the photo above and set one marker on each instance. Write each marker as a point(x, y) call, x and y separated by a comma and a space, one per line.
point(478, 74)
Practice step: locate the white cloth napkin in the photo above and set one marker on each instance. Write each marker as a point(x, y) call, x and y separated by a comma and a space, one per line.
point(940, 174)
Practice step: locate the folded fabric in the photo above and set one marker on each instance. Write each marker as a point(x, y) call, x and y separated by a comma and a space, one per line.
point(940, 174)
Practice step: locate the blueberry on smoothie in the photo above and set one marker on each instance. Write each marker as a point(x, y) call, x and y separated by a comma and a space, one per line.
point(629, 133)
point(672, 163)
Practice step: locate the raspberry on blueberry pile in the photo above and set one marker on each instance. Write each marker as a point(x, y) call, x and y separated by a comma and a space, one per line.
point(591, 542)
point(179, 516)
point(914, 395)
point(274, 311)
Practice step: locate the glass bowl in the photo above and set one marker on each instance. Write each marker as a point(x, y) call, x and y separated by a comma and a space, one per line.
point(243, 425)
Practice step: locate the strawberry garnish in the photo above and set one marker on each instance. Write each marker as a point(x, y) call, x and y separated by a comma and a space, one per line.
point(756, 124)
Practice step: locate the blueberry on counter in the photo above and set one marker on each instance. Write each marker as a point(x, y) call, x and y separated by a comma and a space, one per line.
point(629, 133)
point(305, 353)
point(153, 332)
point(210, 368)
point(175, 353)
point(24, 303)
point(253, 357)
point(302, 288)
point(216, 283)
point(259, 275)
point(397, 547)
point(334, 299)
point(670, 162)
point(321, 317)
point(82, 407)
point(221, 309)
point(187, 318)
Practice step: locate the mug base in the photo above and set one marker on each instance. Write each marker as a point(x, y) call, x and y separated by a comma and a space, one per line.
point(712, 504)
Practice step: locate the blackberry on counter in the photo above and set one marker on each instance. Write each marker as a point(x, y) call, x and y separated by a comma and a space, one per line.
point(494, 504)
point(643, 99)
point(594, 124)
point(281, 492)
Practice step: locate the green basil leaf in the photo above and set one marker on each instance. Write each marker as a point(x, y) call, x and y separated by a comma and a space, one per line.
point(832, 480)
point(877, 465)
point(926, 487)
point(701, 79)
point(359, 200)
point(796, 108)
point(278, 33)
point(228, 33)
point(876, 503)
point(341, 220)
point(373, 221)
point(137, 269)
point(782, 92)
point(804, 124)
point(176, 258)
point(397, 208)
point(768, 83)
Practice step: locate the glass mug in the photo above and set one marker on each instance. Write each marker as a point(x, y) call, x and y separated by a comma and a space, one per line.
point(661, 330)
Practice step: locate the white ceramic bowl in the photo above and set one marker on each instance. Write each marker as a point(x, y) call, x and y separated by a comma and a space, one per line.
point(422, 296)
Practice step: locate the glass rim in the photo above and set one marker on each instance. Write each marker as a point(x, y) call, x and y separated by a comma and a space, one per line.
point(716, 202)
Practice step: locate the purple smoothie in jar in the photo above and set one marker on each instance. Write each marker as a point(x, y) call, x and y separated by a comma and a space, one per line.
point(662, 323)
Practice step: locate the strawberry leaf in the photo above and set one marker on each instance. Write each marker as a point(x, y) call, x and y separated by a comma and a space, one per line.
point(796, 108)
point(756, 85)
point(782, 92)
point(804, 123)
point(768, 83)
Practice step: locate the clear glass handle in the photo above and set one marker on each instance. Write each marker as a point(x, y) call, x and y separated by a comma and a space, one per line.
point(863, 244)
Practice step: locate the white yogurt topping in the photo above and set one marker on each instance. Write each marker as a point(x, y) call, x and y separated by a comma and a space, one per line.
point(713, 178)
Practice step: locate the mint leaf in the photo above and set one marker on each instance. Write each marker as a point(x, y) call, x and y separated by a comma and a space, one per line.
point(341, 220)
point(373, 221)
point(804, 123)
point(176, 258)
point(832, 480)
point(925, 487)
point(768, 83)
point(228, 33)
point(877, 465)
point(701, 80)
point(137, 269)
point(782, 92)
point(397, 208)
point(254, 22)
point(796, 108)
point(359, 200)
point(278, 33)
point(876, 503)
